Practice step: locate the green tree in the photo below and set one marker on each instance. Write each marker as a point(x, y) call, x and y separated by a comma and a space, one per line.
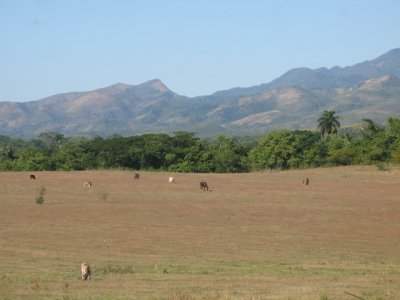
point(316, 154)
point(197, 159)
point(340, 150)
point(52, 139)
point(394, 131)
point(285, 149)
point(273, 151)
point(328, 123)
point(227, 155)
point(7, 153)
point(370, 128)
point(182, 143)
point(30, 159)
point(75, 155)
point(154, 149)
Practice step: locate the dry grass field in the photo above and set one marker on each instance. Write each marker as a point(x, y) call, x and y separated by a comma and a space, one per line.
point(253, 236)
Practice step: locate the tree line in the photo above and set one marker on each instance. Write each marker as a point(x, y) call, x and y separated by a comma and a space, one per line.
point(370, 143)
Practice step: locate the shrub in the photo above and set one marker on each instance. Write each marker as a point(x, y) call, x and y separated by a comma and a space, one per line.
point(40, 195)
point(116, 269)
point(103, 195)
point(382, 166)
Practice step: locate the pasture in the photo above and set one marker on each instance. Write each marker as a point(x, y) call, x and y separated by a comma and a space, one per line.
point(252, 236)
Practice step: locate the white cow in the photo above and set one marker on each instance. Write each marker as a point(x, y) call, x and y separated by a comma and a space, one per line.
point(87, 183)
point(171, 179)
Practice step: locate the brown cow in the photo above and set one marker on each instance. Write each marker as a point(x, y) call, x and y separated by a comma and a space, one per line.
point(204, 186)
point(85, 271)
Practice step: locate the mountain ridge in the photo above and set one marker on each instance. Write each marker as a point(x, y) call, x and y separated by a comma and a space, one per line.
point(331, 78)
point(370, 89)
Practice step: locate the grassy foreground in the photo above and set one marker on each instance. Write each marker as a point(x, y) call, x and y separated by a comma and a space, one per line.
point(253, 236)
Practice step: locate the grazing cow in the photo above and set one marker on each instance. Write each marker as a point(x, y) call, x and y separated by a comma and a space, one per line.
point(85, 271)
point(306, 181)
point(204, 186)
point(87, 183)
point(32, 176)
point(171, 179)
point(136, 175)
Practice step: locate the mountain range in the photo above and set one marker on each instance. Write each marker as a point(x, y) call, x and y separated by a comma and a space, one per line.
point(295, 100)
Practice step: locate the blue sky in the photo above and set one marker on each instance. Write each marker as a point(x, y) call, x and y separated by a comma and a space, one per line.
point(195, 47)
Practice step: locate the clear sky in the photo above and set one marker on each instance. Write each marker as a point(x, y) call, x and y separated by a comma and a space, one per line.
point(195, 47)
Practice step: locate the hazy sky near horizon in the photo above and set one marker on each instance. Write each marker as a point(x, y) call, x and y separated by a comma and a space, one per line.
point(195, 47)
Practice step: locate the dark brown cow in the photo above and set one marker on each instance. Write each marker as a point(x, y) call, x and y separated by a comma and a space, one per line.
point(136, 175)
point(204, 186)
point(32, 176)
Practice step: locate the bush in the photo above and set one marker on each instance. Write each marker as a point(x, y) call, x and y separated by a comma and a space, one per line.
point(345, 156)
point(395, 156)
point(112, 269)
point(103, 195)
point(40, 195)
point(382, 166)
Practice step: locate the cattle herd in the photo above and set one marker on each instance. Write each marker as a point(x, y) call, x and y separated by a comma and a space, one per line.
point(85, 268)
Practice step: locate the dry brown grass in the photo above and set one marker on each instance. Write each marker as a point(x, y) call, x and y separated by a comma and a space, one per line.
point(254, 236)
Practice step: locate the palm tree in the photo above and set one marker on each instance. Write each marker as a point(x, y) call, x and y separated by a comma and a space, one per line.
point(370, 128)
point(328, 123)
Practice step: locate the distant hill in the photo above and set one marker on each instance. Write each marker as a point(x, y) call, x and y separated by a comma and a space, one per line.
point(295, 100)
point(323, 78)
